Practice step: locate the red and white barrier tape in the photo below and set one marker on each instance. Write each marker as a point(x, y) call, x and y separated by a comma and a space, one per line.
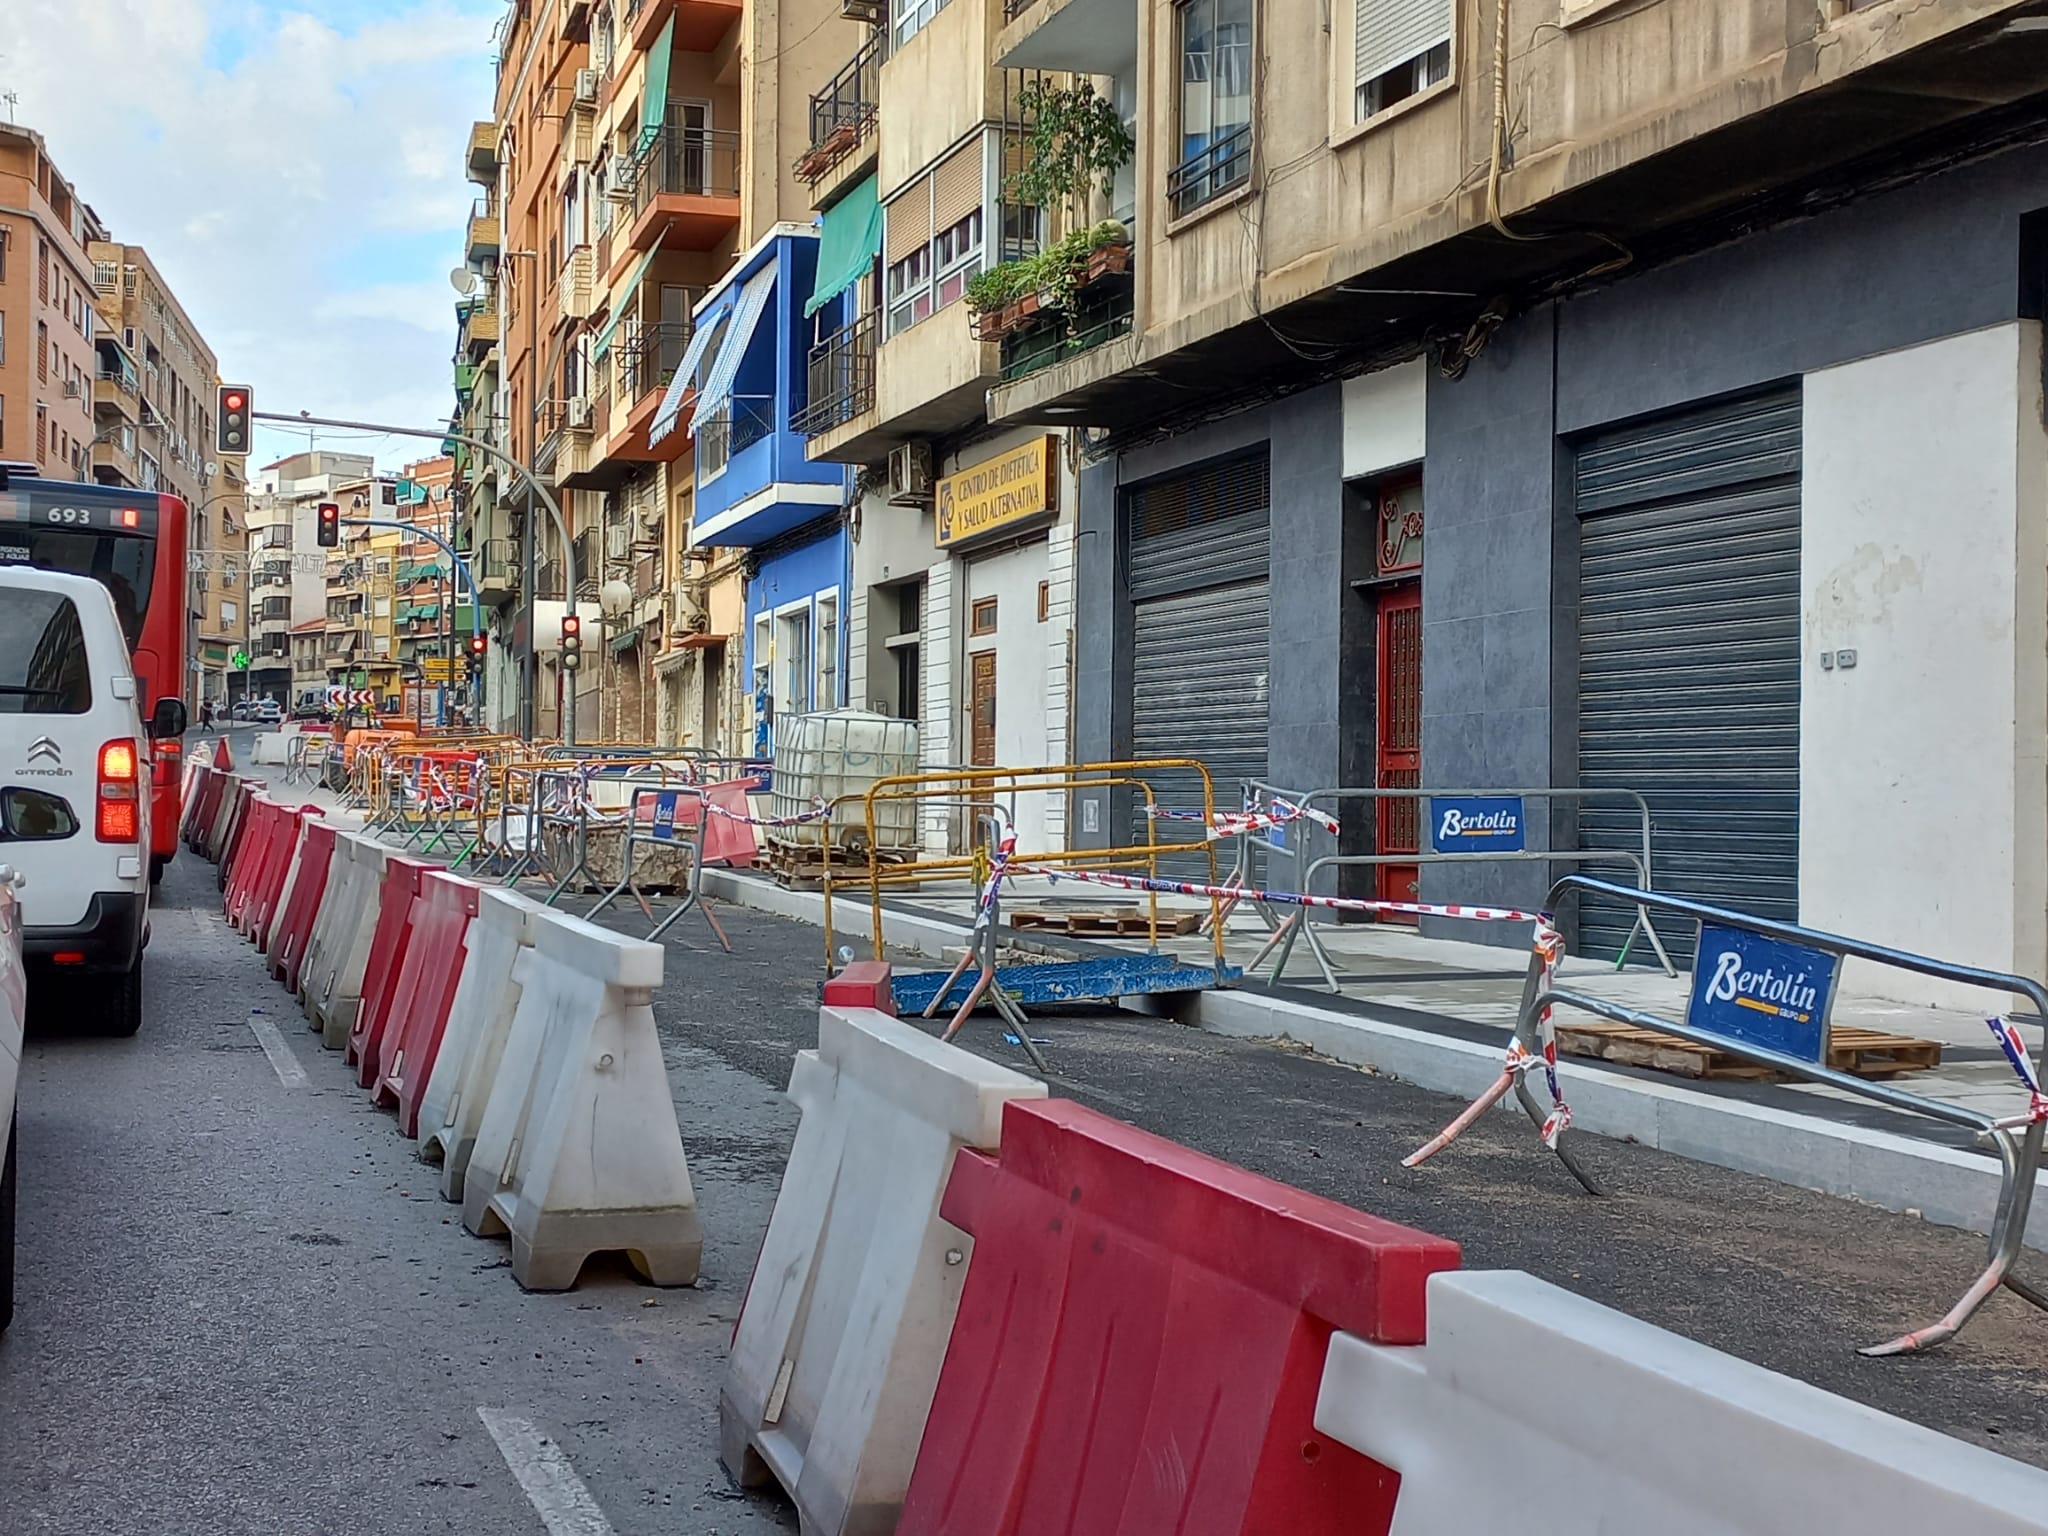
point(1236, 823)
point(818, 812)
point(999, 865)
point(2015, 1048)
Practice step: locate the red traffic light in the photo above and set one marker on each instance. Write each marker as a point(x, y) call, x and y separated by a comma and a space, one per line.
point(234, 400)
point(478, 645)
point(572, 624)
point(327, 532)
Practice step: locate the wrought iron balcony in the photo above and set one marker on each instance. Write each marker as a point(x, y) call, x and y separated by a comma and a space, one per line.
point(843, 113)
point(841, 378)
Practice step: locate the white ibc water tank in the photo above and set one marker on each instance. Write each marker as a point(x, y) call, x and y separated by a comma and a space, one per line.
point(840, 753)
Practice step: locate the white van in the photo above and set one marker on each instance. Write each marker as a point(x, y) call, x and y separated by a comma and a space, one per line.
point(74, 786)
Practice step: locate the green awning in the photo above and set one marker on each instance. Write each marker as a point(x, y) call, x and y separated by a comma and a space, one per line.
point(603, 344)
point(654, 94)
point(849, 240)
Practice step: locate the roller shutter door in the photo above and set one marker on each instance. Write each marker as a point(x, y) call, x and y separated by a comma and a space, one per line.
point(1689, 656)
point(1198, 581)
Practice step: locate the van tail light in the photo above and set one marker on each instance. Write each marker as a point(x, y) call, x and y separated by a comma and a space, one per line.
point(119, 814)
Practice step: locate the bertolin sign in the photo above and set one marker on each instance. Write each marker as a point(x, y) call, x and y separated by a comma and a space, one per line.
point(997, 493)
point(1475, 824)
point(1764, 991)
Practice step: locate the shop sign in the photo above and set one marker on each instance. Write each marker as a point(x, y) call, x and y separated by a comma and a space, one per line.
point(998, 493)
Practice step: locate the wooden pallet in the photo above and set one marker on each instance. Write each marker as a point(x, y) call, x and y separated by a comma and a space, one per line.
point(1860, 1052)
point(795, 864)
point(1107, 923)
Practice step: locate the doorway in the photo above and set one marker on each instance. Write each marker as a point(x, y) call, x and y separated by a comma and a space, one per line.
point(982, 719)
point(1398, 732)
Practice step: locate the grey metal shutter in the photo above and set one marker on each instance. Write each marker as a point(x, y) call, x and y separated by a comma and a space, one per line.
point(1689, 656)
point(1198, 577)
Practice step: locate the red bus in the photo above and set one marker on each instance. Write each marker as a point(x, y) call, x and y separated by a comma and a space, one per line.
point(134, 542)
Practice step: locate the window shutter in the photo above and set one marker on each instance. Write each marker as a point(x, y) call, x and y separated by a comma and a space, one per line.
point(907, 220)
point(1389, 33)
point(957, 185)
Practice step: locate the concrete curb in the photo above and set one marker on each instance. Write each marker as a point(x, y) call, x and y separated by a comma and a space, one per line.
point(1944, 1185)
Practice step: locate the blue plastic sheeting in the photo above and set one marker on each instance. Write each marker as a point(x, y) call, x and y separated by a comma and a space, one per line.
point(1070, 981)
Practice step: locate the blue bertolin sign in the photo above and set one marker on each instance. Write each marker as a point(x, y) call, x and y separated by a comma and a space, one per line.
point(665, 814)
point(1764, 991)
point(1475, 824)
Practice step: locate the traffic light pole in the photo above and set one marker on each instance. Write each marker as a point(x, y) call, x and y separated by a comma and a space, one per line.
point(444, 435)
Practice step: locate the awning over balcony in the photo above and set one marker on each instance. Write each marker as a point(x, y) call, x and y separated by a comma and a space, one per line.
point(849, 240)
point(725, 367)
point(715, 309)
point(603, 344)
point(654, 95)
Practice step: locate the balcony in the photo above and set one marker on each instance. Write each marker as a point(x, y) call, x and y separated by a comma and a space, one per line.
point(574, 299)
point(573, 22)
point(701, 25)
point(482, 243)
point(841, 376)
point(480, 328)
point(481, 161)
point(496, 569)
point(589, 564)
point(1207, 174)
point(645, 357)
point(116, 395)
point(736, 426)
point(686, 192)
point(842, 143)
point(1083, 37)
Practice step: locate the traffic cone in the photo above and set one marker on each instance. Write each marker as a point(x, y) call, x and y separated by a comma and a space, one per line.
point(223, 759)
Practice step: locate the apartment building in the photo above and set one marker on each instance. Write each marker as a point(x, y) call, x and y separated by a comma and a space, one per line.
point(362, 590)
point(288, 601)
point(1579, 420)
point(919, 161)
point(48, 327)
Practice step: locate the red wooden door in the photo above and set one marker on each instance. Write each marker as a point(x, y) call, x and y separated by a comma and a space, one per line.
point(1399, 735)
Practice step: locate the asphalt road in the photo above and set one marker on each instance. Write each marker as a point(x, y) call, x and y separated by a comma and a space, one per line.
point(242, 1308)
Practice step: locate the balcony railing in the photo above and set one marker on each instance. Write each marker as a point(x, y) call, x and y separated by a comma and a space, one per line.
point(841, 377)
point(687, 162)
point(1211, 171)
point(650, 354)
point(647, 575)
point(735, 427)
point(843, 114)
point(589, 563)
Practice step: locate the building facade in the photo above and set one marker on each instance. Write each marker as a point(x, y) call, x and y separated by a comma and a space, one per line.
point(49, 330)
point(1583, 429)
point(288, 571)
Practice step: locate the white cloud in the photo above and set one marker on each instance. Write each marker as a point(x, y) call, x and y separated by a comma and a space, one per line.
point(298, 180)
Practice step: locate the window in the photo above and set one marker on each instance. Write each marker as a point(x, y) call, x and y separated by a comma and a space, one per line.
point(1215, 46)
point(933, 238)
point(827, 696)
point(981, 617)
point(43, 668)
point(1399, 48)
point(1044, 601)
point(228, 613)
point(42, 352)
point(912, 17)
point(572, 217)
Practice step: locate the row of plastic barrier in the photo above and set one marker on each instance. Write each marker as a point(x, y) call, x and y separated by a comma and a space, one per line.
point(983, 1312)
point(515, 1042)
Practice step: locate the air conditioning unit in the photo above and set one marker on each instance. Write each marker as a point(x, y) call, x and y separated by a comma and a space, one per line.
point(71, 389)
point(620, 179)
point(618, 542)
point(686, 612)
point(586, 85)
point(869, 11)
point(910, 475)
point(579, 414)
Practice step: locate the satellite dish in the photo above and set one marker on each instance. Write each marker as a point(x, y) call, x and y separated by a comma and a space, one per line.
point(463, 281)
point(615, 598)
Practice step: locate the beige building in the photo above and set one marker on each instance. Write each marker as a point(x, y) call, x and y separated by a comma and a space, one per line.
point(288, 571)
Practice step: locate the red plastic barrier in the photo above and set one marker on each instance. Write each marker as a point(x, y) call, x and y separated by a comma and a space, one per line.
point(424, 994)
point(235, 801)
point(395, 901)
point(205, 810)
point(264, 899)
point(295, 925)
point(259, 831)
point(1141, 1338)
point(727, 840)
point(863, 984)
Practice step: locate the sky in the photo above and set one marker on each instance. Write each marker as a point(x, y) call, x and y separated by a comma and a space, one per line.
point(295, 171)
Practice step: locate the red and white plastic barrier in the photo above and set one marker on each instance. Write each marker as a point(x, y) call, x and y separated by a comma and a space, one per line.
point(840, 1341)
point(424, 994)
point(397, 896)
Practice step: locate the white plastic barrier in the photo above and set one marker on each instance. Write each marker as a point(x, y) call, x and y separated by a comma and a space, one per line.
point(845, 1326)
point(1532, 1409)
point(273, 747)
point(579, 1152)
point(473, 1043)
point(341, 949)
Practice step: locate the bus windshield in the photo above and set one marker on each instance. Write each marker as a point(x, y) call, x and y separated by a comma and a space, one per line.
point(123, 563)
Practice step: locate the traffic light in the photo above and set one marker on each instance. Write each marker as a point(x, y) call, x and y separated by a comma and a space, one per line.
point(231, 422)
point(478, 645)
point(572, 641)
point(328, 533)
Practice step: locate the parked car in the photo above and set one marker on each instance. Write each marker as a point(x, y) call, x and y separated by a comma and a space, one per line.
point(239, 710)
point(267, 712)
point(74, 785)
point(13, 1009)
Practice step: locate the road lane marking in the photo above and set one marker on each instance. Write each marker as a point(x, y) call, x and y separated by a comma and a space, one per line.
point(552, 1487)
point(282, 1061)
